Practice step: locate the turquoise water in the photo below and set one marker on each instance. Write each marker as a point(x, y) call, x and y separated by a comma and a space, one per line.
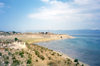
point(85, 47)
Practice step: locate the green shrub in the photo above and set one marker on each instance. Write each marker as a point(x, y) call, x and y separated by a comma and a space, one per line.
point(41, 51)
point(15, 62)
point(68, 61)
point(16, 39)
point(76, 60)
point(13, 32)
point(52, 64)
point(82, 64)
point(21, 53)
point(42, 57)
point(6, 62)
point(37, 53)
point(16, 53)
point(77, 63)
point(9, 53)
point(0, 54)
point(5, 57)
point(29, 61)
point(6, 49)
point(13, 58)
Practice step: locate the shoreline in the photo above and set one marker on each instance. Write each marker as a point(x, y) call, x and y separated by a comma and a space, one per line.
point(64, 55)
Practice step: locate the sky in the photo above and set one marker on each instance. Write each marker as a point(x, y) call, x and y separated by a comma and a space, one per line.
point(24, 15)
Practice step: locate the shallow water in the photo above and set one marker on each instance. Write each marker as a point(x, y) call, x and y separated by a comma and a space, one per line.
point(86, 48)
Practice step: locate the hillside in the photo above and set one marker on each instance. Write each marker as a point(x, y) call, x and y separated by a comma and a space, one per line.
point(19, 49)
point(31, 55)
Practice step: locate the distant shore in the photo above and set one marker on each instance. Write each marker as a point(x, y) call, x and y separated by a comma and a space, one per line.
point(36, 37)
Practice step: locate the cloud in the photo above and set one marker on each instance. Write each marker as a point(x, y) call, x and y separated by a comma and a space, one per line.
point(45, 0)
point(57, 11)
point(68, 12)
point(2, 4)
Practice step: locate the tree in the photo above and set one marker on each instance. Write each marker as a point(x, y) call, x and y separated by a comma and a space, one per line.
point(16, 39)
point(29, 61)
point(0, 54)
point(76, 60)
point(14, 32)
point(82, 64)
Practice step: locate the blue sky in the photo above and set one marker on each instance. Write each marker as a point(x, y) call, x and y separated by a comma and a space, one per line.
point(24, 15)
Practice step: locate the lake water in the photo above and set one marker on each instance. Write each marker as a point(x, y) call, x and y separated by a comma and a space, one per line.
point(85, 47)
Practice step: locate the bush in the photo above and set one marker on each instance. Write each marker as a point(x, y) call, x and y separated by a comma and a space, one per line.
point(9, 53)
point(0, 54)
point(68, 61)
point(36, 60)
point(82, 64)
point(13, 58)
point(29, 61)
point(42, 57)
point(76, 60)
point(52, 64)
point(41, 51)
point(37, 53)
point(6, 62)
point(16, 39)
point(5, 57)
point(21, 53)
point(15, 62)
point(13, 32)
point(53, 53)
point(6, 49)
point(16, 53)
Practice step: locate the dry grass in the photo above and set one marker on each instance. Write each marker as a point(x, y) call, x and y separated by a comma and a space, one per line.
point(34, 55)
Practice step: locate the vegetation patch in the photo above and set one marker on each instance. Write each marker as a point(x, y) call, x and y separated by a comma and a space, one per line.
point(0, 54)
point(76, 60)
point(52, 64)
point(6, 62)
point(37, 53)
point(16, 62)
point(6, 49)
point(29, 61)
point(21, 53)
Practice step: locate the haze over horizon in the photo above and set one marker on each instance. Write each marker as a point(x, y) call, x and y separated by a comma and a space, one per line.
point(26, 15)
